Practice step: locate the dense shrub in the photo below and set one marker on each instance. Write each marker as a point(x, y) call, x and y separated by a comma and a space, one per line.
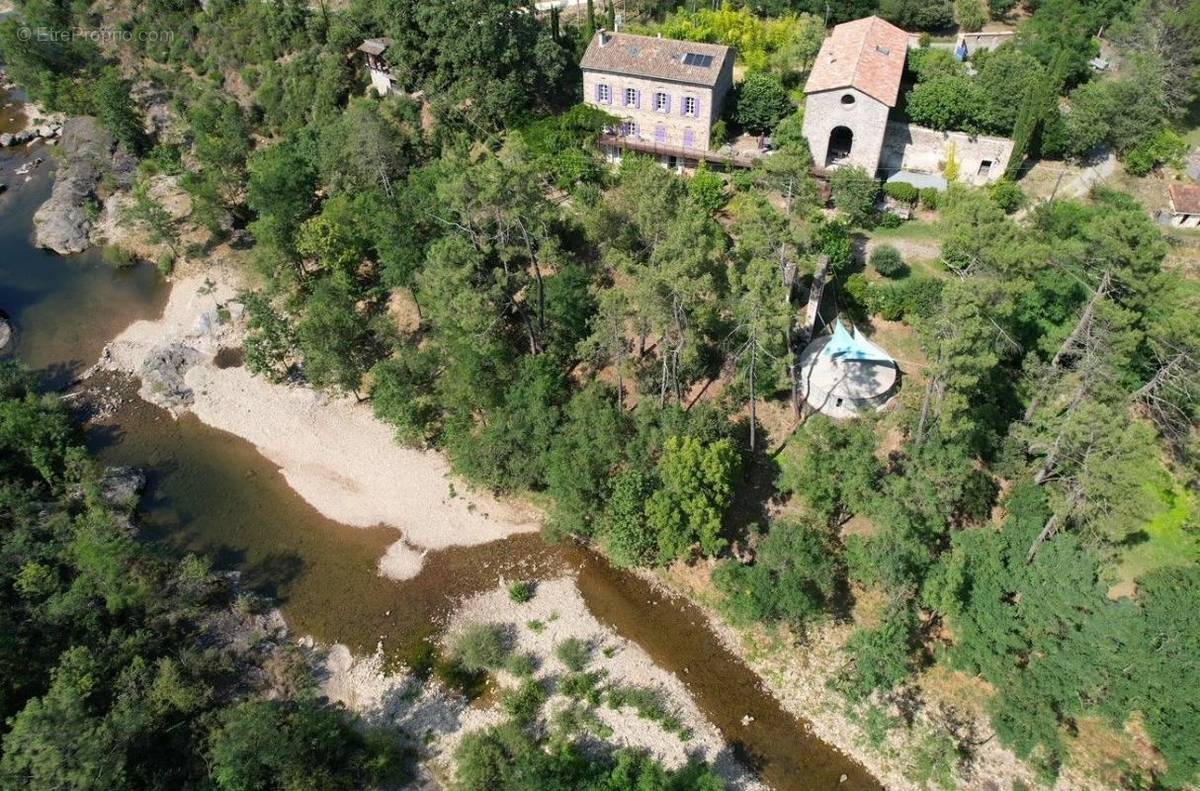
point(1007, 195)
point(902, 191)
point(1164, 148)
point(931, 198)
point(525, 702)
point(888, 261)
point(482, 646)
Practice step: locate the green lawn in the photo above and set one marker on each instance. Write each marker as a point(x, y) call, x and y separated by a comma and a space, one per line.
point(1168, 540)
point(913, 229)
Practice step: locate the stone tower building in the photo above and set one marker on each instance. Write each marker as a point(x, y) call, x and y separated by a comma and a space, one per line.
point(852, 88)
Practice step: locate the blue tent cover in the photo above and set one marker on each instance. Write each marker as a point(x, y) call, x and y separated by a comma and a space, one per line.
point(846, 346)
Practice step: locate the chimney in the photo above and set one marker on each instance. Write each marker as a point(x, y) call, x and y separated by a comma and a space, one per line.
point(604, 36)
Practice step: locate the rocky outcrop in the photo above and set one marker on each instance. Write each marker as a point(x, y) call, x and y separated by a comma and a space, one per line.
point(6, 331)
point(162, 375)
point(64, 222)
point(46, 131)
point(121, 487)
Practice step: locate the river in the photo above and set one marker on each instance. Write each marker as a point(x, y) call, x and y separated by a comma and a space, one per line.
point(212, 493)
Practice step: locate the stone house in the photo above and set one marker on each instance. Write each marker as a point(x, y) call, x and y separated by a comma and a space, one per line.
point(853, 87)
point(851, 90)
point(667, 93)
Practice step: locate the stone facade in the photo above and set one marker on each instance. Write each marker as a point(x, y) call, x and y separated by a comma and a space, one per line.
point(673, 115)
point(852, 121)
point(981, 160)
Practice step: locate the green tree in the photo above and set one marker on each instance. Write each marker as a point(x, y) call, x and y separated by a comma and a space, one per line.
point(791, 579)
point(696, 489)
point(118, 112)
point(854, 193)
point(335, 339)
point(762, 102)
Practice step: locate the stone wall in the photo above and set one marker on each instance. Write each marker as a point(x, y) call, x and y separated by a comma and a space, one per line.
point(981, 160)
point(669, 128)
point(863, 115)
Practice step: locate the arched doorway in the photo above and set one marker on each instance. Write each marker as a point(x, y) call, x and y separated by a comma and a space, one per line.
point(841, 140)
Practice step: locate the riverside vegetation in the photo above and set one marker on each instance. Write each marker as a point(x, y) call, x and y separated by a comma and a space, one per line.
point(617, 342)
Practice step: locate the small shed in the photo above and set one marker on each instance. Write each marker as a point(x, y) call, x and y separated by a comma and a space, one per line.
point(844, 374)
point(374, 50)
point(1185, 205)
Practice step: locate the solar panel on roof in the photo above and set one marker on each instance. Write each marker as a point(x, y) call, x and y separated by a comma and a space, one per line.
point(693, 59)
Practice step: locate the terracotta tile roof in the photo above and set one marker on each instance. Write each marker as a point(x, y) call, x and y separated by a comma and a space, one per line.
point(1185, 198)
point(867, 54)
point(656, 58)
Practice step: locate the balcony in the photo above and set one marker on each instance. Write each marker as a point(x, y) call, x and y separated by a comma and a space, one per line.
point(736, 154)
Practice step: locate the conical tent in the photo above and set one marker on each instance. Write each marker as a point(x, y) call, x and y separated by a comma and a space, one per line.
point(845, 346)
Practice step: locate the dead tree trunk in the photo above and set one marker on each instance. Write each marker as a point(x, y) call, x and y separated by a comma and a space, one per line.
point(1052, 526)
point(1072, 342)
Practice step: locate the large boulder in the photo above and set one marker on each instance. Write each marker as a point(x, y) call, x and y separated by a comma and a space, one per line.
point(6, 330)
point(162, 376)
point(63, 223)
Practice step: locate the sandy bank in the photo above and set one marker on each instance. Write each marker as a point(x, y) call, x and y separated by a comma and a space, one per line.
point(332, 451)
point(437, 719)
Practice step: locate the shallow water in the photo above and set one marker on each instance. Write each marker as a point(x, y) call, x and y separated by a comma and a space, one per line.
point(64, 308)
point(212, 493)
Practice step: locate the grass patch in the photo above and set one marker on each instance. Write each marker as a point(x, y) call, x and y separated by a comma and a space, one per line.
point(1165, 540)
point(912, 229)
point(578, 719)
point(521, 591)
point(536, 626)
point(650, 704)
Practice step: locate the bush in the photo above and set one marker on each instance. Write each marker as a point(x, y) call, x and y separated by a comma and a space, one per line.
point(524, 702)
point(888, 261)
point(1007, 195)
point(574, 653)
point(1164, 148)
point(481, 647)
point(902, 191)
point(922, 296)
point(931, 198)
point(707, 189)
point(889, 219)
point(887, 300)
point(521, 591)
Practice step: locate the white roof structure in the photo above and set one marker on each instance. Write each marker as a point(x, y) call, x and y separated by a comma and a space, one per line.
point(844, 374)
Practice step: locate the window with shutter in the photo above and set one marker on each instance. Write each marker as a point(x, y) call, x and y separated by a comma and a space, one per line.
point(631, 97)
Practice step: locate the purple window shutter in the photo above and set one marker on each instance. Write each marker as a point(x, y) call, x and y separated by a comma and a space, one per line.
point(689, 138)
point(667, 109)
point(637, 100)
point(660, 134)
point(599, 93)
point(698, 108)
